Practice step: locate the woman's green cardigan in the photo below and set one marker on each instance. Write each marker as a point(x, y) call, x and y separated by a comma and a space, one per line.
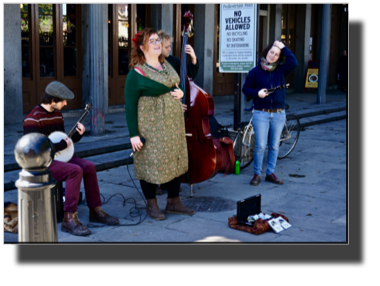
point(137, 85)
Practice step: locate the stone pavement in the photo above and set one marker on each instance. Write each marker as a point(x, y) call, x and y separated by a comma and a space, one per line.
point(315, 204)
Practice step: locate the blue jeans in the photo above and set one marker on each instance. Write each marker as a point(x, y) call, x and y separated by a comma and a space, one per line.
point(267, 124)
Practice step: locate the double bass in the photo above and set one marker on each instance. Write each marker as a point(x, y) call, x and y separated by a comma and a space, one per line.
point(204, 151)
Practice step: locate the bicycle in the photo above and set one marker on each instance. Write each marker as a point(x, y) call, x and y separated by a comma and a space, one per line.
point(244, 143)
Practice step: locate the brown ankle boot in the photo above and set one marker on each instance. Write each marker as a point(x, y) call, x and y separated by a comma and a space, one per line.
point(71, 224)
point(175, 206)
point(153, 211)
point(98, 215)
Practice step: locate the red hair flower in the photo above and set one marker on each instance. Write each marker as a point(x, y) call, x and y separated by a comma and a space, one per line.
point(134, 40)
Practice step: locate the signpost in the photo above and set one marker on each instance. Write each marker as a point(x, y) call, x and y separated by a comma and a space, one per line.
point(237, 46)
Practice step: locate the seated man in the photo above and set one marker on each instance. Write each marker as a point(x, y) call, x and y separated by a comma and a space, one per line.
point(47, 118)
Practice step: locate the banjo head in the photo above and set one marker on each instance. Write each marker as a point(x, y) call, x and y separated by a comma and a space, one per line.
point(57, 136)
point(63, 155)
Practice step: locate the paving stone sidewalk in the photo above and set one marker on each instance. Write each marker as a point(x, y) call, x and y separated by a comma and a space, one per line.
point(315, 204)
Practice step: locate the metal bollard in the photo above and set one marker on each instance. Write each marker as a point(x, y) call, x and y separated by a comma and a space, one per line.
point(34, 153)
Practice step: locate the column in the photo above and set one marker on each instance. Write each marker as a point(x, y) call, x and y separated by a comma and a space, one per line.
point(275, 22)
point(302, 50)
point(204, 44)
point(162, 17)
point(98, 80)
point(325, 53)
point(13, 113)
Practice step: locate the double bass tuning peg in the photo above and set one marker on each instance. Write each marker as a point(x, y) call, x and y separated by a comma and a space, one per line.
point(190, 33)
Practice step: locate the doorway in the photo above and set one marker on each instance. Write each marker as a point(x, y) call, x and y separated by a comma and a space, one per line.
point(51, 50)
point(121, 29)
point(264, 23)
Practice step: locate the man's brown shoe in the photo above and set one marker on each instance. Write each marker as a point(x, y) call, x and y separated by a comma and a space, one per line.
point(272, 178)
point(175, 206)
point(98, 215)
point(153, 210)
point(71, 224)
point(255, 180)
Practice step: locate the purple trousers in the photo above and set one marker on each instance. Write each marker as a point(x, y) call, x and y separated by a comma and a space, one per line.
point(72, 172)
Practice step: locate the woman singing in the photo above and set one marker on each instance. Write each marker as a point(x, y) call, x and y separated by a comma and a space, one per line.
point(268, 118)
point(154, 111)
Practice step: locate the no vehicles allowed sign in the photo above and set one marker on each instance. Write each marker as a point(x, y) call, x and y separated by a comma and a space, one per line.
point(237, 37)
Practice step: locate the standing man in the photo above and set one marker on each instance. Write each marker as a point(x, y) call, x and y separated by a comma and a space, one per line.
point(192, 67)
point(46, 118)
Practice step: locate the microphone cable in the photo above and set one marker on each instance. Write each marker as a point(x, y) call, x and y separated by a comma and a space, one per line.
point(134, 211)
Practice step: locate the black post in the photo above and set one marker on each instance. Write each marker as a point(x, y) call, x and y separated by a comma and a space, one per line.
point(237, 100)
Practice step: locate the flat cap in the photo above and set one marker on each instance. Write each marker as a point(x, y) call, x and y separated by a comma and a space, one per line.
point(58, 89)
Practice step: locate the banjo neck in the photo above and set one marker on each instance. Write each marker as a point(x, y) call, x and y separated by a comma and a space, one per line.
point(278, 87)
point(72, 131)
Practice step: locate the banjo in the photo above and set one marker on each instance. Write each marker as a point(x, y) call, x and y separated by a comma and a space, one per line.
point(56, 137)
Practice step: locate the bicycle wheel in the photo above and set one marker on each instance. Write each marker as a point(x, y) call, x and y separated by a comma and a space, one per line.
point(244, 146)
point(289, 136)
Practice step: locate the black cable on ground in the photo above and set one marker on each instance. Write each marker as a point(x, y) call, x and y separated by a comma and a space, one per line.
point(133, 212)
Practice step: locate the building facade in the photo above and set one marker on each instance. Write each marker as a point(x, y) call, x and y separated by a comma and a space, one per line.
point(87, 47)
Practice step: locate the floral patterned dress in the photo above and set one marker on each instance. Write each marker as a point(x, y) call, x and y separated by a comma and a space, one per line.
point(161, 122)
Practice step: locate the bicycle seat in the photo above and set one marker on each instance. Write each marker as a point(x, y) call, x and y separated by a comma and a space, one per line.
point(286, 106)
point(242, 124)
point(225, 127)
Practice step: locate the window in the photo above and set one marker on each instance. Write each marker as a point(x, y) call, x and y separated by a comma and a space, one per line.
point(123, 28)
point(69, 23)
point(46, 39)
point(25, 40)
point(288, 25)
